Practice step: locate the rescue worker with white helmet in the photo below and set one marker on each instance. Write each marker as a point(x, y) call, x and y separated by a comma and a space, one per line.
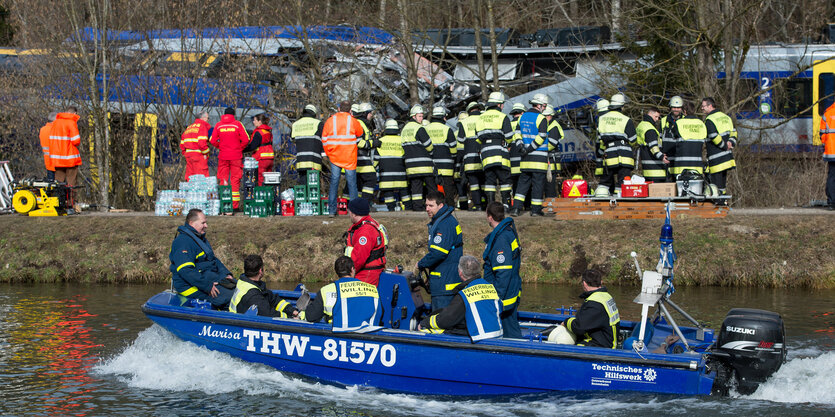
point(417, 148)
point(494, 133)
point(668, 139)
point(445, 148)
point(555, 135)
point(458, 176)
point(601, 107)
point(392, 168)
point(617, 132)
point(306, 133)
point(653, 161)
point(533, 147)
point(515, 156)
point(366, 146)
point(721, 136)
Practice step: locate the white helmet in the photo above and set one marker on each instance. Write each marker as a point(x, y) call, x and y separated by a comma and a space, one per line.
point(463, 115)
point(474, 105)
point(416, 109)
point(438, 111)
point(366, 107)
point(549, 111)
point(496, 97)
point(311, 108)
point(539, 99)
point(355, 108)
point(676, 101)
point(518, 108)
point(618, 100)
point(602, 191)
point(602, 105)
point(391, 124)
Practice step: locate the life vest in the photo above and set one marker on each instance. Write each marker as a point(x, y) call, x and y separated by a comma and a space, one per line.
point(265, 150)
point(482, 310)
point(608, 303)
point(529, 126)
point(377, 257)
point(241, 288)
point(43, 135)
point(357, 306)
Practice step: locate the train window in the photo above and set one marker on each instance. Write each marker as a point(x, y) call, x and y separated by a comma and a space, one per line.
point(793, 97)
point(826, 91)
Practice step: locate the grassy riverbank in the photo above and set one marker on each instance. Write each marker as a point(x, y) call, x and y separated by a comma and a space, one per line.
point(741, 250)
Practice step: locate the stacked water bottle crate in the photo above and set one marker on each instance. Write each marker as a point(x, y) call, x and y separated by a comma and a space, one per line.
point(308, 201)
point(198, 193)
point(262, 205)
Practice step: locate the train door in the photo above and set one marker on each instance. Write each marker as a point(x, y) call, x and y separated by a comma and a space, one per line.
point(145, 130)
point(823, 93)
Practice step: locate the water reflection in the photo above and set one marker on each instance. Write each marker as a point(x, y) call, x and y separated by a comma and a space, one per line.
point(50, 353)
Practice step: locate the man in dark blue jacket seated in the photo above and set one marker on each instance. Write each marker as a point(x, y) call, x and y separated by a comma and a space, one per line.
point(473, 311)
point(252, 291)
point(596, 322)
point(197, 273)
point(348, 303)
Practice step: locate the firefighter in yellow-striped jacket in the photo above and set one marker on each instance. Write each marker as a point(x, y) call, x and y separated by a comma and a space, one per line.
point(392, 167)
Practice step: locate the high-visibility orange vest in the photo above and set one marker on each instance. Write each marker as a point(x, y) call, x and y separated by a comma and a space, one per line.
point(828, 133)
point(43, 135)
point(339, 139)
point(64, 140)
point(265, 149)
point(195, 140)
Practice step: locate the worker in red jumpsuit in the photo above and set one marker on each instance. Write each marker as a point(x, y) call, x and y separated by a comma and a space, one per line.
point(366, 242)
point(231, 138)
point(194, 145)
point(263, 137)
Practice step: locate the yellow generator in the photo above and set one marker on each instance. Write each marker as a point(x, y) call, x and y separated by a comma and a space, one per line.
point(42, 198)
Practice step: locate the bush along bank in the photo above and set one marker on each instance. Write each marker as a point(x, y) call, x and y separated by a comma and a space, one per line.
point(752, 250)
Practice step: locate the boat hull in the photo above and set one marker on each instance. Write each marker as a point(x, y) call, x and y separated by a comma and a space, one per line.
point(414, 362)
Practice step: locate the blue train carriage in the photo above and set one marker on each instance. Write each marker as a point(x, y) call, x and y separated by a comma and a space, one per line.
point(792, 86)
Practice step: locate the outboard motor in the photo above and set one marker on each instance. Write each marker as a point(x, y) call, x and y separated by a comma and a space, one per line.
point(751, 347)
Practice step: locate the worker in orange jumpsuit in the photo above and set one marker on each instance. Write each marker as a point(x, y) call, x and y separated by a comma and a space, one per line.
point(827, 129)
point(231, 138)
point(43, 135)
point(64, 140)
point(194, 145)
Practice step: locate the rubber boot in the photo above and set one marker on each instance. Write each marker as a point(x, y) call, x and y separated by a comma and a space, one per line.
point(491, 196)
point(536, 211)
point(417, 205)
point(506, 200)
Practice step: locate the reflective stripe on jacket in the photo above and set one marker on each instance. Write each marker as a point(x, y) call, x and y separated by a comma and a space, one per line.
point(64, 140)
point(306, 134)
point(230, 137)
point(195, 139)
point(691, 134)
point(339, 139)
point(720, 131)
point(392, 167)
point(494, 133)
point(502, 261)
point(265, 150)
point(417, 149)
point(43, 136)
point(483, 309)
point(827, 129)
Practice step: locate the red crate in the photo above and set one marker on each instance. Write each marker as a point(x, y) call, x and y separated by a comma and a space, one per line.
point(634, 190)
point(288, 208)
point(342, 206)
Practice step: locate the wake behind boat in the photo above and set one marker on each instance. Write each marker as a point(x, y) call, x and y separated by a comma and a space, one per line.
point(749, 347)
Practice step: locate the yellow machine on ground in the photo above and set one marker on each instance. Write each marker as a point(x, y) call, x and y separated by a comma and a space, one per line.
point(42, 198)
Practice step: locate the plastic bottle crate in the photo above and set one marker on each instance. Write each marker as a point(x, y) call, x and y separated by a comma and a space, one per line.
point(225, 193)
point(300, 192)
point(312, 177)
point(313, 193)
point(264, 194)
point(226, 206)
point(323, 206)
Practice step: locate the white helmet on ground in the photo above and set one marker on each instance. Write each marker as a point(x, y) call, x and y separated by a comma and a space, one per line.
point(391, 124)
point(416, 109)
point(539, 98)
point(438, 111)
point(602, 105)
point(618, 100)
point(562, 336)
point(676, 101)
point(496, 97)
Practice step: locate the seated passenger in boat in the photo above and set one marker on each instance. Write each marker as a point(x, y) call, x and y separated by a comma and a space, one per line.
point(475, 307)
point(197, 273)
point(596, 322)
point(252, 291)
point(348, 303)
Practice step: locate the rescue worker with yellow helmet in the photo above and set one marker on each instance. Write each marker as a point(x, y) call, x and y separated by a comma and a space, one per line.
point(494, 133)
point(306, 134)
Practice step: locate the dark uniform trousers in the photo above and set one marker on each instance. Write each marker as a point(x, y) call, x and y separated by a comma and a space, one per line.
point(416, 184)
point(830, 184)
point(501, 175)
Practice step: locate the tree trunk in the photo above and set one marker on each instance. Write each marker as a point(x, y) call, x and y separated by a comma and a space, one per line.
point(479, 50)
point(494, 56)
point(409, 52)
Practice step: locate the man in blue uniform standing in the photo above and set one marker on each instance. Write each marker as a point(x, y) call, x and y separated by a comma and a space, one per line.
point(475, 309)
point(502, 261)
point(446, 245)
point(196, 272)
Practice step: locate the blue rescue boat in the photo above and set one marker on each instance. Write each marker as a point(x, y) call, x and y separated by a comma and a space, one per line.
point(749, 348)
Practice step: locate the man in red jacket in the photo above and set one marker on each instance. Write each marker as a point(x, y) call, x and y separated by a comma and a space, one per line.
point(194, 145)
point(366, 242)
point(231, 138)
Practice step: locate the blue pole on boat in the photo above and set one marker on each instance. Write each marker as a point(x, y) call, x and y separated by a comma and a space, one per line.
point(667, 255)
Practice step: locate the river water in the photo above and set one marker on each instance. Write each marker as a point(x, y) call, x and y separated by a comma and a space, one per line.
point(87, 350)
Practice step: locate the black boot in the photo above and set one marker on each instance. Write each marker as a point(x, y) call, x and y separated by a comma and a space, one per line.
point(491, 196)
point(537, 211)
